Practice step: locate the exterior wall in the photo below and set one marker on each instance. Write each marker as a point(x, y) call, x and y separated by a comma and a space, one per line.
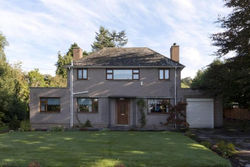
point(42, 120)
point(148, 86)
point(99, 119)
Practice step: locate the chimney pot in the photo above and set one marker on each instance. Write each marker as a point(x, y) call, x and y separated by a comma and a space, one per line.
point(174, 52)
point(77, 53)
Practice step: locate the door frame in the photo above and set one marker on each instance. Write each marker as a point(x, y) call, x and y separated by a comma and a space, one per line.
point(116, 111)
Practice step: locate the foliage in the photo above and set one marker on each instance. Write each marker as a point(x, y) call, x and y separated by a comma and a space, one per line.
point(177, 115)
point(190, 134)
point(225, 149)
point(237, 29)
point(223, 78)
point(186, 82)
point(232, 77)
point(87, 124)
point(58, 128)
point(14, 124)
point(105, 38)
point(106, 149)
point(3, 43)
point(66, 60)
point(25, 125)
point(141, 104)
point(206, 144)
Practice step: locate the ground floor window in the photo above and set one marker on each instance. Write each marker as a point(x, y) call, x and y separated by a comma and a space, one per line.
point(88, 105)
point(50, 104)
point(158, 105)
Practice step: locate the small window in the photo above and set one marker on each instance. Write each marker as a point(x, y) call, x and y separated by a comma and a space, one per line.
point(109, 74)
point(163, 74)
point(87, 105)
point(49, 104)
point(82, 73)
point(136, 74)
point(158, 105)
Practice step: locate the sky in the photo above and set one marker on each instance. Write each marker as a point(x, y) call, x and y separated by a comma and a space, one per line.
point(38, 29)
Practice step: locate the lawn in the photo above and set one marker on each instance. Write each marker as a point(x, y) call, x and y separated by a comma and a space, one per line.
point(105, 148)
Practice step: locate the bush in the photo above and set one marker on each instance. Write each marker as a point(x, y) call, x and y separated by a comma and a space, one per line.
point(206, 144)
point(14, 124)
point(25, 125)
point(225, 149)
point(58, 128)
point(87, 124)
point(190, 134)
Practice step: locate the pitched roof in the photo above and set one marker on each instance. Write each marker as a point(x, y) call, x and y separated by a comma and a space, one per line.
point(137, 56)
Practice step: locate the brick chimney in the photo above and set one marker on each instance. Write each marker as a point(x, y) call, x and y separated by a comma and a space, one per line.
point(77, 53)
point(174, 52)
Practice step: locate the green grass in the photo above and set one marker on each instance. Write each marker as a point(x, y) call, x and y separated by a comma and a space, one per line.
point(102, 149)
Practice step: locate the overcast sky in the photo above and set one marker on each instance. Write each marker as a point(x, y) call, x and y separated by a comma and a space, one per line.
point(37, 29)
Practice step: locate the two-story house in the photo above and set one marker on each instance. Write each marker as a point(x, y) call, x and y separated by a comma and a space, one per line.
point(104, 88)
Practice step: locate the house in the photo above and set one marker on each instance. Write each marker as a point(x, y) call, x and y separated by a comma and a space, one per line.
point(104, 88)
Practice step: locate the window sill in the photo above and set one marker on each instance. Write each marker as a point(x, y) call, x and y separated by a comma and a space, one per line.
point(79, 112)
point(50, 112)
point(158, 113)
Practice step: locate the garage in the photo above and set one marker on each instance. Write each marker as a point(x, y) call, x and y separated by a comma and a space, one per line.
point(200, 112)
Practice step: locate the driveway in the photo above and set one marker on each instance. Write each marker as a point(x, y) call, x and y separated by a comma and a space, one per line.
point(241, 140)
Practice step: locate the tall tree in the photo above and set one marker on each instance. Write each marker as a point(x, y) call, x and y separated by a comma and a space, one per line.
point(237, 29)
point(3, 43)
point(230, 78)
point(106, 38)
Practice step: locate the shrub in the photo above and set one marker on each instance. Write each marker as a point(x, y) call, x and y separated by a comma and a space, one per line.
point(87, 124)
point(190, 134)
point(25, 125)
point(14, 124)
point(206, 144)
point(141, 104)
point(58, 128)
point(225, 149)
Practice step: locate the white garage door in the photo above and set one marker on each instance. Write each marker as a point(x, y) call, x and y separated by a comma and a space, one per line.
point(200, 113)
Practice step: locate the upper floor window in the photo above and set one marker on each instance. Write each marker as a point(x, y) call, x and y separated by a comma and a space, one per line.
point(158, 105)
point(88, 105)
point(50, 104)
point(82, 73)
point(163, 74)
point(123, 74)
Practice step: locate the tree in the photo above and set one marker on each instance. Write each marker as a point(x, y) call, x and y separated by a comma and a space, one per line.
point(3, 43)
point(237, 29)
point(105, 38)
point(66, 60)
point(36, 79)
point(230, 78)
point(186, 82)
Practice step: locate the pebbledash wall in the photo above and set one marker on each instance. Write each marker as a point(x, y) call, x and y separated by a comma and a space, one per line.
point(149, 86)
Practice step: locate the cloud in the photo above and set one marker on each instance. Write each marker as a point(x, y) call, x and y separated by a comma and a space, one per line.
point(37, 30)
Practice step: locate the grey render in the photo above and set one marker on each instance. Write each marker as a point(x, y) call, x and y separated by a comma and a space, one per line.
point(108, 91)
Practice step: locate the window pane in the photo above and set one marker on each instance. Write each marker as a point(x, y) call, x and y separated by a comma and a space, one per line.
point(79, 74)
point(166, 74)
point(135, 71)
point(109, 76)
point(122, 74)
point(43, 106)
point(161, 74)
point(135, 76)
point(109, 71)
point(53, 101)
point(84, 104)
point(85, 74)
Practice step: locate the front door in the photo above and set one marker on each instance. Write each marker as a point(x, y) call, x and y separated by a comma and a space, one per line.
point(122, 109)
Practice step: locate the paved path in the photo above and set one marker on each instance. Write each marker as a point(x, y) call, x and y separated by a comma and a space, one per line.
point(239, 139)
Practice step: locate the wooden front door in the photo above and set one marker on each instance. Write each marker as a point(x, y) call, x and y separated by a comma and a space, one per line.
point(122, 109)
